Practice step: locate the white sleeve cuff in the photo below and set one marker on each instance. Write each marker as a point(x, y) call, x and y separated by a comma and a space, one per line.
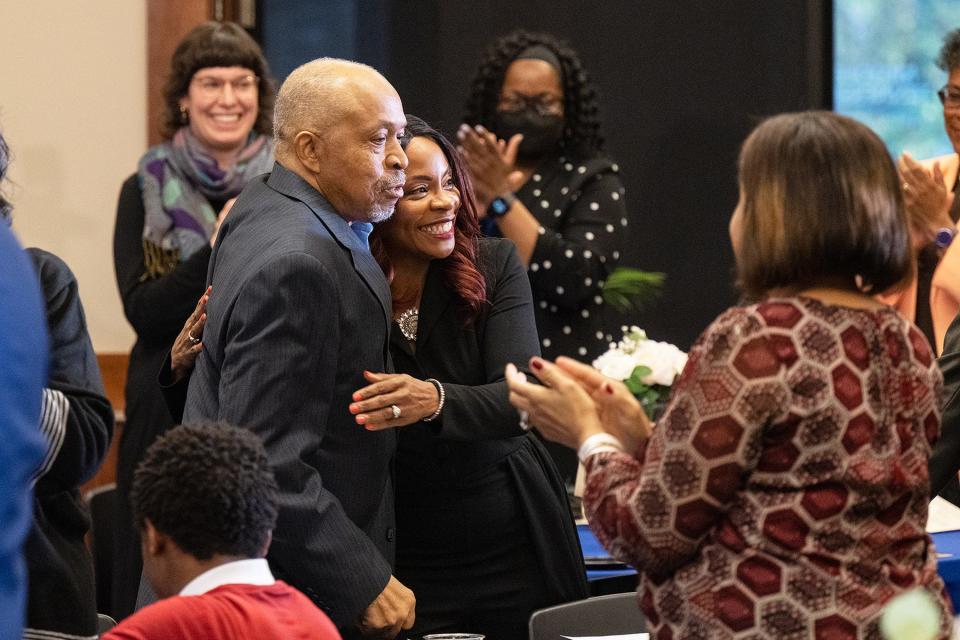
point(597, 443)
point(53, 426)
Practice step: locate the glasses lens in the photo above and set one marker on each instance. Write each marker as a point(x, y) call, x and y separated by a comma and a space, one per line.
point(245, 85)
point(215, 86)
point(549, 107)
point(949, 98)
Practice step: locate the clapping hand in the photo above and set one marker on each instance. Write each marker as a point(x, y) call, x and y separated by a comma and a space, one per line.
point(926, 197)
point(560, 409)
point(619, 411)
point(491, 162)
point(576, 402)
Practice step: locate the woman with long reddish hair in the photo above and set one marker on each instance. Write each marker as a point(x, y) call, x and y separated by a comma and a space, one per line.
point(484, 534)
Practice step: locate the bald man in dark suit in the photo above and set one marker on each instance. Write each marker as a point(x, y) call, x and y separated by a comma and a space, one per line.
point(299, 310)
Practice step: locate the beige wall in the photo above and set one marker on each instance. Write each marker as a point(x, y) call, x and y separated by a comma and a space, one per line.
point(73, 110)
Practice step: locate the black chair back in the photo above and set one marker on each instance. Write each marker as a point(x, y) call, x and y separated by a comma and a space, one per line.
point(616, 614)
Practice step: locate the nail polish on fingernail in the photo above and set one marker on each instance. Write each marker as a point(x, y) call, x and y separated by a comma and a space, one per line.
point(536, 364)
point(609, 388)
point(357, 397)
point(361, 419)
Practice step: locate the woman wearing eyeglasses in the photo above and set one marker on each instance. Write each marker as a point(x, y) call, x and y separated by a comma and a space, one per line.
point(933, 298)
point(218, 108)
point(533, 147)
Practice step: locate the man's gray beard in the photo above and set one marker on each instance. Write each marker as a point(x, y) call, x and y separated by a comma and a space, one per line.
point(379, 214)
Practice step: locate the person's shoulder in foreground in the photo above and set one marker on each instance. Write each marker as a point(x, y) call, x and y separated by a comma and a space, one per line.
point(23, 340)
point(230, 611)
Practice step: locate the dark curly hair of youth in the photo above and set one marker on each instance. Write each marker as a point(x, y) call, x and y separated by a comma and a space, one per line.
point(949, 58)
point(210, 488)
point(217, 44)
point(460, 267)
point(581, 130)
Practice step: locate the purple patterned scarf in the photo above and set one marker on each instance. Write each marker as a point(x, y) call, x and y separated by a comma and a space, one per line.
point(178, 180)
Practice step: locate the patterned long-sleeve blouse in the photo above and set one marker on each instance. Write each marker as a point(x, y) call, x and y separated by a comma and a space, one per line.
point(783, 494)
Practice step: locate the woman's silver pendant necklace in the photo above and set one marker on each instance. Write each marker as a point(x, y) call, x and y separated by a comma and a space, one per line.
point(408, 323)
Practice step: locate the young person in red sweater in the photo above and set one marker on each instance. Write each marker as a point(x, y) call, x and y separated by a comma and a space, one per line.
point(205, 501)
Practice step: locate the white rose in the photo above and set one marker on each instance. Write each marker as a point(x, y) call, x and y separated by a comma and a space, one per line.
point(664, 359)
point(615, 364)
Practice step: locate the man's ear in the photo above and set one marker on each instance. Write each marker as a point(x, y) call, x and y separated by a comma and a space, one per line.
point(155, 542)
point(309, 149)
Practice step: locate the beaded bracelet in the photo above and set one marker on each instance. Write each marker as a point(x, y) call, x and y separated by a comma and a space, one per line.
point(443, 397)
point(598, 443)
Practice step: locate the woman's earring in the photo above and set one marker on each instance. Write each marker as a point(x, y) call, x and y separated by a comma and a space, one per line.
point(184, 115)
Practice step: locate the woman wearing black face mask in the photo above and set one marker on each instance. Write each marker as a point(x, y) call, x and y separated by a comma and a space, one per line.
point(533, 147)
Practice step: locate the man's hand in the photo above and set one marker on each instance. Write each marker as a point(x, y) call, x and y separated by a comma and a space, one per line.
point(391, 612)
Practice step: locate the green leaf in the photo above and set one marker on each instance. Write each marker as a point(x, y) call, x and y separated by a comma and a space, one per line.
point(628, 289)
point(641, 371)
point(635, 381)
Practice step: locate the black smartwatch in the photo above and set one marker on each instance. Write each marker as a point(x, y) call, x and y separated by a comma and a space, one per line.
point(500, 205)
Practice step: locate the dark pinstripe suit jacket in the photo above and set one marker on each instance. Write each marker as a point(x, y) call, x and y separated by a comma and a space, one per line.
point(299, 309)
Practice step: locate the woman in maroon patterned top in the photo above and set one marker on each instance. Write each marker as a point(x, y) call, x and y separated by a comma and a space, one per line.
point(784, 492)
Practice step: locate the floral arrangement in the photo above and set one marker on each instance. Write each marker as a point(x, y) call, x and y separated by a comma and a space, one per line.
point(646, 366)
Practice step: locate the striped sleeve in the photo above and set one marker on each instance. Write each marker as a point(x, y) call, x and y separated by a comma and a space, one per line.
point(53, 426)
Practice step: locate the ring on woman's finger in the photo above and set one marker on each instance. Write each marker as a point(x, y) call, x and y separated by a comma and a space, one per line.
point(525, 421)
point(906, 187)
point(191, 338)
point(396, 411)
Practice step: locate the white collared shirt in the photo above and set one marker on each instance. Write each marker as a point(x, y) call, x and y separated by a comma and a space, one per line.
point(254, 571)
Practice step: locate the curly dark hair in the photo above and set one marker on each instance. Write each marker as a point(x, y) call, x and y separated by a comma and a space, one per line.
point(581, 132)
point(5, 207)
point(210, 488)
point(460, 267)
point(949, 58)
point(217, 44)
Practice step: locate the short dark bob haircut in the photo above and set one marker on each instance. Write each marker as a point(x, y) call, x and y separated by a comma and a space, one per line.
point(210, 488)
point(217, 44)
point(822, 206)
